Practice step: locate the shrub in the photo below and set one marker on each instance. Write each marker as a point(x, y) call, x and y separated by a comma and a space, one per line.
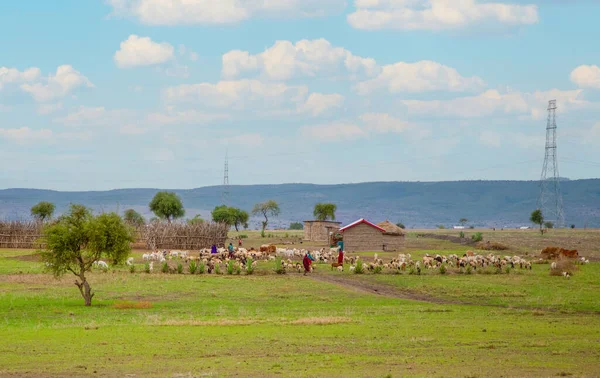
point(443, 269)
point(201, 268)
point(498, 270)
point(563, 265)
point(359, 269)
point(412, 270)
point(230, 267)
point(279, 269)
point(471, 227)
point(477, 237)
point(296, 226)
point(179, 268)
point(238, 269)
point(243, 236)
point(492, 246)
point(165, 267)
point(132, 268)
point(147, 267)
point(249, 267)
point(441, 227)
point(287, 235)
point(217, 268)
point(378, 269)
point(469, 270)
point(193, 267)
point(507, 270)
point(461, 235)
point(572, 226)
point(262, 234)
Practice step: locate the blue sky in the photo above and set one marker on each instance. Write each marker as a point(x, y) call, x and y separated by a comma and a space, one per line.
point(101, 94)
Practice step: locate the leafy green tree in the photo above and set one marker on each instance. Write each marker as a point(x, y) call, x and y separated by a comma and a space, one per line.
point(323, 211)
point(537, 218)
point(167, 205)
point(195, 220)
point(133, 218)
point(43, 211)
point(462, 221)
point(548, 225)
point(401, 225)
point(296, 226)
point(266, 209)
point(231, 216)
point(78, 239)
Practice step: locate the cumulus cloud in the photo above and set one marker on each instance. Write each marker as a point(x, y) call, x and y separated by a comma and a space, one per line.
point(586, 76)
point(493, 102)
point(25, 134)
point(188, 12)
point(138, 51)
point(330, 132)
point(306, 58)
point(14, 76)
point(319, 103)
point(58, 85)
point(438, 14)
point(423, 76)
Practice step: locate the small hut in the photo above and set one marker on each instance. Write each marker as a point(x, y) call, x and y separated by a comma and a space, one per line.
point(393, 238)
point(362, 235)
point(319, 231)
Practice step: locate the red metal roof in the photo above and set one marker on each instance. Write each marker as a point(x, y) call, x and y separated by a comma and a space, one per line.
point(361, 220)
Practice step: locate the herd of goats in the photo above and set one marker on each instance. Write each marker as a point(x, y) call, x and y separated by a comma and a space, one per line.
point(246, 258)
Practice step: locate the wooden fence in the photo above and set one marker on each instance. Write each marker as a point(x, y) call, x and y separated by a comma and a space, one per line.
point(18, 234)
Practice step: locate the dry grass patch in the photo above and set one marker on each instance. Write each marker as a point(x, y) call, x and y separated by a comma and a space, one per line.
point(127, 305)
point(321, 321)
point(492, 246)
point(563, 265)
point(202, 323)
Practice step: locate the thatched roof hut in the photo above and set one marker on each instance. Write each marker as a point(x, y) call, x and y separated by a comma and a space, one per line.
point(390, 228)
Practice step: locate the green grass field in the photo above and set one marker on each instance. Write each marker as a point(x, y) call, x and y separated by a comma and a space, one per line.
point(525, 323)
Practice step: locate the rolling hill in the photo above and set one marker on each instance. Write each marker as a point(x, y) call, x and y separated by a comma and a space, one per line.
point(416, 204)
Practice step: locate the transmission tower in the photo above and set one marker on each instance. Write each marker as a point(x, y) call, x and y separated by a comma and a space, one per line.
point(550, 200)
point(225, 194)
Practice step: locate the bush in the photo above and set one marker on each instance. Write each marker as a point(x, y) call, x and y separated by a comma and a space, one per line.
point(296, 226)
point(443, 269)
point(492, 246)
point(147, 267)
point(441, 227)
point(238, 269)
point(498, 270)
point(262, 234)
point(412, 270)
point(201, 268)
point(572, 226)
point(249, 267)
point(469, 270)
point(461, 235)
point(279, 269)
point(230, 267)
point(477, 237)
point(378, 269)
point(359, 269)
point(132, 268)
point(179, 268)
point(193, 267)
point(507, 270)
point(165, 267)
point(401, 225)
point(217, 268)
point(563, 265)
point(243, 236)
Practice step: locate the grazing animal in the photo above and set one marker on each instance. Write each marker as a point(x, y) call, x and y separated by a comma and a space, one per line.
point(553, 266)
point(129, 261)
point(571, 254)
point(336, 265)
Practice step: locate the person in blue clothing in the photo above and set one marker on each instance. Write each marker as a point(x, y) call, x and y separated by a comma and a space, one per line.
point(231, 250)
point(213, 249)
point(307, 262)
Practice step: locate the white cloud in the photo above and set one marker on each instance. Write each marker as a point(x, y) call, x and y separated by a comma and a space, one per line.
point(242, 94)
point(318, 103)
point(178, 12)
point(492, 102)
point(99, 116)
point(423, 76)
point(438, 14)
point(14, 76)
point(490, 139)
point(332, 132)
point(64, 81)
point(306, 58)
point(49, 108)
point(132, 129)
point(245, 140)
point(173, 117)
point(25, 135)
point(586, 76)
point(383, 123)
point(142, 51)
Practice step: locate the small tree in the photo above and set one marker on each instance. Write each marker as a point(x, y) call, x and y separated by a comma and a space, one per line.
point(195, 220)
point(167, 205)
point(43, 211)
point(78, 239)
point(266, 209)
point(133, 218)
point(537, 218)
point(231, 216)
point(296, 226)
point(548, 225)
point(463, 221)
point(401, 225)
point(323, 211)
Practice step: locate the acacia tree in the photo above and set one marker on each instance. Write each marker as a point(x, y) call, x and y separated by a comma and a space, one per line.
point(266, 209)
point(167, 205)
point(462, 221)
point(231, 216)
point(43, 211)
point(78, 239)
point(195, 220)
point(323, 211)
point(133, 218)
point(537, 218)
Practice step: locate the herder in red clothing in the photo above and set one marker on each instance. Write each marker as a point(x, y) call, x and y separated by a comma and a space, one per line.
point(307, 262)
point(341, 257)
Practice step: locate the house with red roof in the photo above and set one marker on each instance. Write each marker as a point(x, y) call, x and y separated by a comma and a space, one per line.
point(363, 235)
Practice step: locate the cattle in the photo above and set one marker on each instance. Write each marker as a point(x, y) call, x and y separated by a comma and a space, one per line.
point(552, 253)
point(571, 254)
point(268, 248)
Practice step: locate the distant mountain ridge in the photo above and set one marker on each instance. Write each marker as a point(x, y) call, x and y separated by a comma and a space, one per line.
point(416, 204)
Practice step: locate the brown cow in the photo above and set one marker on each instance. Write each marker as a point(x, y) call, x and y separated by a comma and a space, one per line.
point(268, 248)
point(571, 254)
point(550, 253)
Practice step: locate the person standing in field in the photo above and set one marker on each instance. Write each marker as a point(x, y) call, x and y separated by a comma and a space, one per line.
point(307, 262)
point(341, 257)
point(240, 243)
point(230, 248)
point(213, 249)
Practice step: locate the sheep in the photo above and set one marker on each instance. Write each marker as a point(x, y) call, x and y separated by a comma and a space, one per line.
point(129, 261)
point(101, 264)
point(553, 266)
